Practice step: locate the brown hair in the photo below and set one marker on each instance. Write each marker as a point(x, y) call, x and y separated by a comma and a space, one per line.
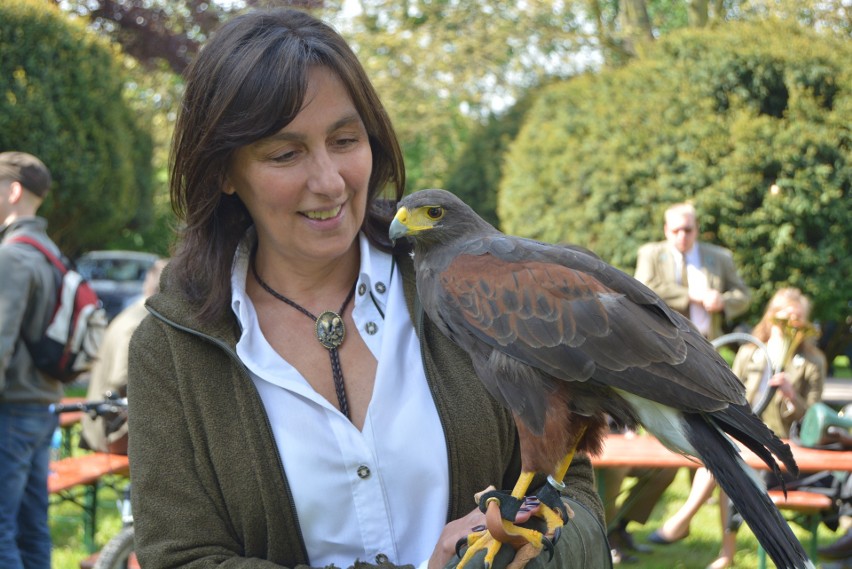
point(782, 298)
point(247, 83)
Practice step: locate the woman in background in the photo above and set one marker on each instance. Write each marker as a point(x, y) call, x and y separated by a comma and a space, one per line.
point(785, 329)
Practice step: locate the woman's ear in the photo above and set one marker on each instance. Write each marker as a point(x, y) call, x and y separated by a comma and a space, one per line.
point(228, 188)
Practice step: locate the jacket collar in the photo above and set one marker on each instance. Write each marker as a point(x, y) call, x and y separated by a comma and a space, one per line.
point(34, 223)
point(173, 307)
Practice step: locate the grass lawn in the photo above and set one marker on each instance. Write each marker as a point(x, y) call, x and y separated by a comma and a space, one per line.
point(702, 545)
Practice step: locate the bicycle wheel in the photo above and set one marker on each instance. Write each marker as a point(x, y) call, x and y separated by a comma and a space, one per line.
point(764, 391)
point(117, 553)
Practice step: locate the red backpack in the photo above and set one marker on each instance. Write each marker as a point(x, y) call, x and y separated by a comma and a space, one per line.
point(70, 343)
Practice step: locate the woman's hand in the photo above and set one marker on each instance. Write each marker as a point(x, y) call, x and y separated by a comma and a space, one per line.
point(783, 384)
point(452, 533)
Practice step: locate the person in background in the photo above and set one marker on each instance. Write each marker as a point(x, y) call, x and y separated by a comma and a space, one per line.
point(700, 281)
point(28, 296)
point(697, 279)
point(109, 372)
point(798, 385)
point(290, 403)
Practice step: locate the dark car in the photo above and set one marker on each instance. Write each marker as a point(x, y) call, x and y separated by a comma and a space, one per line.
point(116, 276)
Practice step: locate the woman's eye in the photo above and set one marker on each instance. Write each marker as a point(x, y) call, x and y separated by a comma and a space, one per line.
point(285, 156)
point(435, 212)
point(345, 142)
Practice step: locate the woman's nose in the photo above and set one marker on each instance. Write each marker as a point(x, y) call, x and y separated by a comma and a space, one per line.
point(325, 177)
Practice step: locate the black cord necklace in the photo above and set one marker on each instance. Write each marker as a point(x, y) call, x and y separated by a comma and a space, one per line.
point(330, 333)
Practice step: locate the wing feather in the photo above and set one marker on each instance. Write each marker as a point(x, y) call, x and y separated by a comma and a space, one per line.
point(578, 319)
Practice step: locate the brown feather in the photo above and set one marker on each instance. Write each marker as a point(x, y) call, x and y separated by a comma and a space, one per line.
point(541, 452)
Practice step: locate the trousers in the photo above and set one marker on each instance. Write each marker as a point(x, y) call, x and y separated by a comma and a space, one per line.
point(26, 430)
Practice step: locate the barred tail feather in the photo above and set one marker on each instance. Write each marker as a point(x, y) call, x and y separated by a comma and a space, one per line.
point(745, 490)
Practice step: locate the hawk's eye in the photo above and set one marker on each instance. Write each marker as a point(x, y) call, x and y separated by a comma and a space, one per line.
point(435, 212)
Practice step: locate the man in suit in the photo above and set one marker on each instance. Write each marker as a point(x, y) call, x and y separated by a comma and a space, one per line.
point(714, 290)
point(700, 281)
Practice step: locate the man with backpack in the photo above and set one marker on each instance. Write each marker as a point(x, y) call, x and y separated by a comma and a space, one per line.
point(28, 299)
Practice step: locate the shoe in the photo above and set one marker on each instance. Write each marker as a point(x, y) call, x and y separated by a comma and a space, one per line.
point(722, 563)
point(657, 537)
point(622, 539)
point(840, 549)
point(619, 557)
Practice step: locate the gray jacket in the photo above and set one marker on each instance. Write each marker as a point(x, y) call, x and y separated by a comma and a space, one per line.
point(28, 289)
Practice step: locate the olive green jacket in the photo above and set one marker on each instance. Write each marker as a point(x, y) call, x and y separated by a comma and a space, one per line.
point(209, 487)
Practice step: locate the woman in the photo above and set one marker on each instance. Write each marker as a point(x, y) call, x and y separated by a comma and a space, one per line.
point(285, 408)
point(798, 385)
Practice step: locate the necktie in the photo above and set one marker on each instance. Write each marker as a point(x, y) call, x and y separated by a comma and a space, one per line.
point(684, 277)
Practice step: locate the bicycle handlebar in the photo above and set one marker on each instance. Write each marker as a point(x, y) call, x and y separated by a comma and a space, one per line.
point(112, 404)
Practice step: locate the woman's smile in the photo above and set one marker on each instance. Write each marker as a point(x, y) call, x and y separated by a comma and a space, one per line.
point(323, 214)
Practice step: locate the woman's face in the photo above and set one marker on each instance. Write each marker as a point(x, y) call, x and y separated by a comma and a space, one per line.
point(793, 312)
point(306, 186)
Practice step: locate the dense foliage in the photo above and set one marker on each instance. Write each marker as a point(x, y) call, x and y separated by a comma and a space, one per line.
point(751, 122)
point(62, 99)
point(475, 175)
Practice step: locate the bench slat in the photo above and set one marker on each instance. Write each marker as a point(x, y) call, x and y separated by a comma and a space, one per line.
point(801, 501)
point(85, 469)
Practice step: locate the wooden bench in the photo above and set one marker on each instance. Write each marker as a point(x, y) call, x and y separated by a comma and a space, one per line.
point(69, 475)
point(807, 509)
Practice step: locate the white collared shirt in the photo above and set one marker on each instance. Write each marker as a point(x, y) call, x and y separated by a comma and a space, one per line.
point(697, 286)
point(377, 493)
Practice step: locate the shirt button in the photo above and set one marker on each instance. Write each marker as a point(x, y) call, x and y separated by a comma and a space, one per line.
point(363, 472)
point(381, 558)
point(371, 328)
point(362, 288)
point(380, 287)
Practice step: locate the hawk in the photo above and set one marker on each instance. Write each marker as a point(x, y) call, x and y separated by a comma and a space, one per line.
point(563, 339)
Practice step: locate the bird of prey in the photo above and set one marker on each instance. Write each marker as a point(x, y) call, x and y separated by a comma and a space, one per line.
point(561, 338)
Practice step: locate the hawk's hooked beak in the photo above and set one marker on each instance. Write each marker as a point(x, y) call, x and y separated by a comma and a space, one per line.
point(399, 226)
point(408, 223)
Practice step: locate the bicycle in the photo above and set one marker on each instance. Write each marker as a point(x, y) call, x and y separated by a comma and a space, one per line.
point(118, 553)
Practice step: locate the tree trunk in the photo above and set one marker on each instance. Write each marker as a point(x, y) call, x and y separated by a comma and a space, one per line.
point(635, 25)
point(698, 14)
point(612, 49)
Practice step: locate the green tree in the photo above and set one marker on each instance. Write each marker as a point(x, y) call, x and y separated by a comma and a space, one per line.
point(750, 121)
point(625, 29)
point(62, 98)
point(475, 175)
point(442, 67)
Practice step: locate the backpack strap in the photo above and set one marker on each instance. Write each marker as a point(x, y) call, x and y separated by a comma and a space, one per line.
point(44, 251)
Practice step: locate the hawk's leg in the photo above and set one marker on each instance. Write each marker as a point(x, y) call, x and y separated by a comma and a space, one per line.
point(527, 542)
